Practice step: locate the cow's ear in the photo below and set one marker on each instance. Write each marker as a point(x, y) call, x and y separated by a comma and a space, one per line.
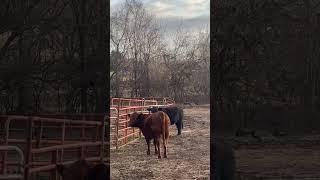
point(60, 168)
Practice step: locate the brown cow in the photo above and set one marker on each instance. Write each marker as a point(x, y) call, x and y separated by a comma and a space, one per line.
point(82, 170)
point(153, 126)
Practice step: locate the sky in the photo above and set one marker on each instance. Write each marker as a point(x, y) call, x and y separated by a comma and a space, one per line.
point(191, 15)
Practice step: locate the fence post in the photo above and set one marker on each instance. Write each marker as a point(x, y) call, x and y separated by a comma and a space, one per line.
point(39, 134)
point(28, 148)
point(103, 128)
point(3, 159)
point(81, 152)
point(6, 137)
point(117, 123)
point(54, 157)
point(126, 130)
point(62, 140)
point(143, 102)
point(97, 133)
point(83, 129)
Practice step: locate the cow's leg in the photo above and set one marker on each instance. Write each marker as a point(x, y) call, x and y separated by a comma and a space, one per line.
point(164, 142)
point(148, 143)
point(158, 145)
point(178, 125)
point(155, 146)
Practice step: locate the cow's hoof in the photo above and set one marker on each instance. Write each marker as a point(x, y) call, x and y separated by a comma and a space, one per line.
point(159, 157)
point(165, 156)
point(148, 153)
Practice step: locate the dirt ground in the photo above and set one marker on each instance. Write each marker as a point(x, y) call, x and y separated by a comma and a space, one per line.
point(283, 158)
point(188, 154)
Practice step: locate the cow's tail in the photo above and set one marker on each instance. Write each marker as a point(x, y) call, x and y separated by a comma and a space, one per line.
point(165, 127)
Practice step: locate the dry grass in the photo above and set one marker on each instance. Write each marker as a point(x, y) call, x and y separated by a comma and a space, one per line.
point(292, 159)
point(188, 154)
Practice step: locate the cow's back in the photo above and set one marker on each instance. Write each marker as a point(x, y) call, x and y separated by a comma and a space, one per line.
point(158, 123)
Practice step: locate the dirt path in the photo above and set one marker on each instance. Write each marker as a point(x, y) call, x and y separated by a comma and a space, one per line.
point(188, 154)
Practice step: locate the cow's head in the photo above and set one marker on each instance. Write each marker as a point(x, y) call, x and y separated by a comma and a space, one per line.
point(136, 119)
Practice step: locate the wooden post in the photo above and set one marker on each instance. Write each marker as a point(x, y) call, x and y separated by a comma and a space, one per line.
point(28, 148)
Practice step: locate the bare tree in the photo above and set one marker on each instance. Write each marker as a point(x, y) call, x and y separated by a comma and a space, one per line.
point(142, 63)
point(41, 55)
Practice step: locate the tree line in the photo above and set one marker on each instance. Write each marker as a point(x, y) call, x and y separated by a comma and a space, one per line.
point(144, 64)
point(53, 56)
point(265, 63)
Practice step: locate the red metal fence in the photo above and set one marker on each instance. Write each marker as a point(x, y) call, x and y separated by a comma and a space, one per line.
point(48, 140)
point(121, 134)
point(44, 141)
point(20, 166)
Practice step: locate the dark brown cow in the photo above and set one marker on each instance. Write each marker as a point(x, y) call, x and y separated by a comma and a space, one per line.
point(175, 114)
point(153, 126)
point(82, 170)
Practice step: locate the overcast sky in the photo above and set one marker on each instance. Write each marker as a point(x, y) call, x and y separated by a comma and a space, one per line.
point(194, 14)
